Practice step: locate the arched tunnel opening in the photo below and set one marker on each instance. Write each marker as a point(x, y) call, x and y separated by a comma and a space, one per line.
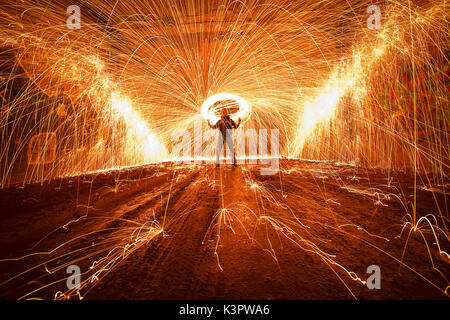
point(257, 149)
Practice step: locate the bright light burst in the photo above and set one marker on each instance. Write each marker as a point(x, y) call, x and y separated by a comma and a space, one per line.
point(111, 94)
point(314, 71)
point(208, 114)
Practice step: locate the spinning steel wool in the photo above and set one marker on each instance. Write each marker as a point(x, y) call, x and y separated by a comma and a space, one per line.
point(361, 116)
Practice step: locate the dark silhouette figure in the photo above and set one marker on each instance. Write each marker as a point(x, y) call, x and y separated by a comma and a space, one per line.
point(225, 126)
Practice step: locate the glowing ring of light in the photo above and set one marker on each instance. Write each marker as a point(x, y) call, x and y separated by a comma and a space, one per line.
point(243, 106)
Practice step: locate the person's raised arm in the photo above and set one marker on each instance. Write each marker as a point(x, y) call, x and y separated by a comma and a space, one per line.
point(213, 126)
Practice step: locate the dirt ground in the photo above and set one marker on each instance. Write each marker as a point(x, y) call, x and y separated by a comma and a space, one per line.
point(180, 231)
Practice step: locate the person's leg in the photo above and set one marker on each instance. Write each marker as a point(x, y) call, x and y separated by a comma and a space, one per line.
point(230, 145)
point(219, 148)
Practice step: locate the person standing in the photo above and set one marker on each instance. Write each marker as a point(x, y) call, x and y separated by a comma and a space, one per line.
point(225, 125)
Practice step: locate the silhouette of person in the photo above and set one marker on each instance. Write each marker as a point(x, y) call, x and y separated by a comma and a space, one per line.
point(225, 126)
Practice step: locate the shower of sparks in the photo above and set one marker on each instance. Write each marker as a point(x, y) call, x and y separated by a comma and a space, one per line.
point(111, 94)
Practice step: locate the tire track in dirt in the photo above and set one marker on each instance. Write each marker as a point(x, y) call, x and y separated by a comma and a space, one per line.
point(264, 264)
point(162, 266)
